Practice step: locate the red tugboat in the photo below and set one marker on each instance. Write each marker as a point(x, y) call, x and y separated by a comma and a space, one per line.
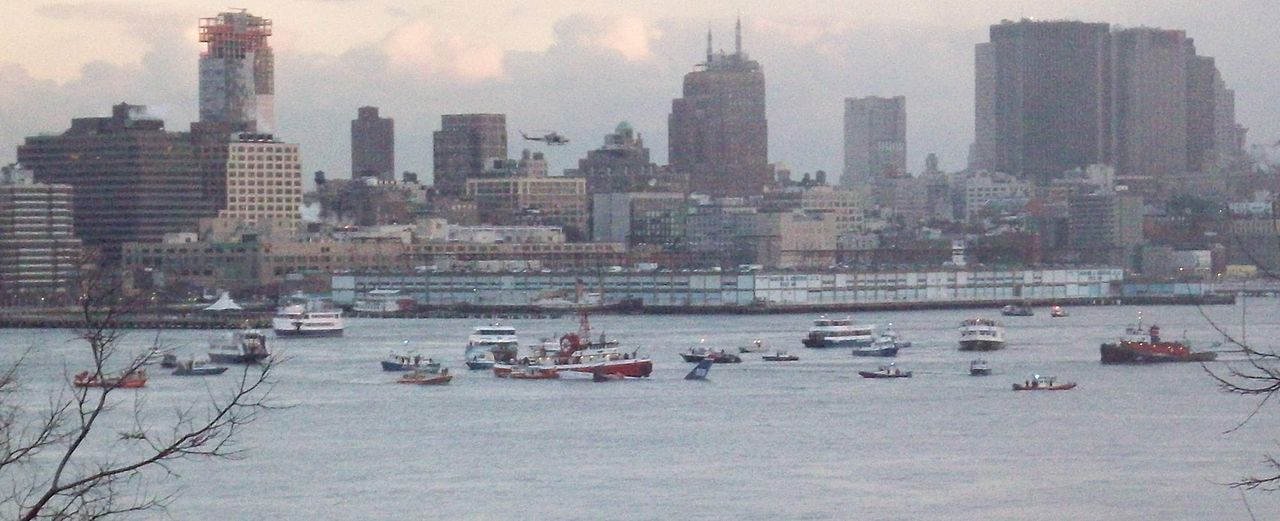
point(1139, 346)
point(578, 353)
point(131, 380)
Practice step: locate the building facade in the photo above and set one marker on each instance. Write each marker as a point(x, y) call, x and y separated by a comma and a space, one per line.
point(622, 164)
point(639, 218)
point(875, 139)
point(39, 251)
point(373, 145)
point(237, 72)
point(264, 181)
point(1149, 81)
point(540, 201)
point(463, 146)
point(718, 131)
point(132, 181)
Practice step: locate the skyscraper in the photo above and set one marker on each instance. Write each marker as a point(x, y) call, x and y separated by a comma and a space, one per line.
point(39, 251)
point(1050, 100)
point(875, 139)
point(1149, 102)
point(237, 72)
point(373, 145)
point(982, 155)
point(718, 132)
point(464, 146)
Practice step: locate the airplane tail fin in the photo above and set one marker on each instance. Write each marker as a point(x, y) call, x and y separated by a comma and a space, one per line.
point(699, 371)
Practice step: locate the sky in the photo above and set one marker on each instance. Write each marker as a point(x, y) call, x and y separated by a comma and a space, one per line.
point(578, 67)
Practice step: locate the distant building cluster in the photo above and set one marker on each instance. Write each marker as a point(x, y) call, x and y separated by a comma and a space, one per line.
point(1093, 146)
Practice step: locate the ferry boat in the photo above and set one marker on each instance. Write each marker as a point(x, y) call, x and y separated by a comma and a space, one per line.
point(244, 347)
point(980, 334)
point(307, 318)
point(1144, 346)
point(838, 332)
point(576, 352)
point(491, 344)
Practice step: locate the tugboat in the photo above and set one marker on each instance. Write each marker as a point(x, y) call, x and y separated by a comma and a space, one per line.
point(576, 352)
point(838, 332)
point(979, 367)
point(1043, 383)
point(885, 371)
point(980, 334)
point(1139, 346)
point(491, 344)
point(244, 347)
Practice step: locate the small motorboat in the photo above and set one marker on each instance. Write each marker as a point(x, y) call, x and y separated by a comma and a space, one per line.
point(1057, 312)
point(757, 346)
point(132, 380)
point(698, 354)
point(529, 372)
point(883, 346)
point(780, 356)
point(979, 367)
point(1017, 310)
point(885, 371)
point(410, 361)
point(198, 368)
point(1043, 383)
point(421, 377)
point(700, 371)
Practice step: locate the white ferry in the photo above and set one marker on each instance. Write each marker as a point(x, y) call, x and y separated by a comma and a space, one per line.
point(980, 334)
point(839, 332)
point(491, 344)
point(311, 318)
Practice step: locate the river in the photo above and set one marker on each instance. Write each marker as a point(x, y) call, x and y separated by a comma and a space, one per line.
point(800, 440)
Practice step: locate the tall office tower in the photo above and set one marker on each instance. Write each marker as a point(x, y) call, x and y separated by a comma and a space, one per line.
point(982, 154)
point(1050, 97)
point(875, 139)
point(373, 145)
point(132, 181)
point(463, 148)
point(237, 72)
point(1202, 76)
point(1149, 79)
point(718, 132)
point(39, 251)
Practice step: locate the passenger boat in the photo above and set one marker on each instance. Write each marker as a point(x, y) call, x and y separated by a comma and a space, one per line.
point(980, 334)
point(421, 377)
point(410, 361)
point(838, 332)
point(885, 371)
point(576, 352)
point(757, 346)
point(698, 354)
point(527, 372)
point(780, 356)
point(131, 380)
point(491, 344)
point(979, 367)
point(1057, 312)
point(1144, 346)
point(244, 347)
point(308, 318)
point(1017, 310)
point(1043, 383)
point(198, 368)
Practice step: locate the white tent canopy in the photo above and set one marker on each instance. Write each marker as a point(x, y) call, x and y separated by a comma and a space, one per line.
point(224, 303)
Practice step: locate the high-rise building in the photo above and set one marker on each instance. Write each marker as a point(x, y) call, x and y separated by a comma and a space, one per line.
point(39, 251)
point(464, 146)
point(132, 180)
point(875, 139)
point(1149, 102)
point(982, 154)
point(718, 132)
point(237, 72)
point(373, 145)
point(1050, 99)
point(264, 182)
point(536, 201)
point(622, 164)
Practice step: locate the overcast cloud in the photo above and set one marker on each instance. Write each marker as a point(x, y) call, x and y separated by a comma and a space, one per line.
point(580, 68)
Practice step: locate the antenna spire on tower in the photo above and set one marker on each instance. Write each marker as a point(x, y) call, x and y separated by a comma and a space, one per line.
point(708, 43)
point(737, 36)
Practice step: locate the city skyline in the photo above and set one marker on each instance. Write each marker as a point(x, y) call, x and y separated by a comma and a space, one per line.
point(579, 71)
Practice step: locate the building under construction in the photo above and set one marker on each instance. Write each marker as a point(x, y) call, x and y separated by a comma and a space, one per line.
point(237, 72)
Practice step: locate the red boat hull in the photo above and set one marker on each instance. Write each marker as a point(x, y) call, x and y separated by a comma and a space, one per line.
point(634, 368)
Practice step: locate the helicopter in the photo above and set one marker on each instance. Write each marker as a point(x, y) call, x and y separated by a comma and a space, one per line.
point(550, 138)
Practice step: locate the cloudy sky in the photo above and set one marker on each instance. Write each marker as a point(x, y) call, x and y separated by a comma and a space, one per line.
point(576, 66)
